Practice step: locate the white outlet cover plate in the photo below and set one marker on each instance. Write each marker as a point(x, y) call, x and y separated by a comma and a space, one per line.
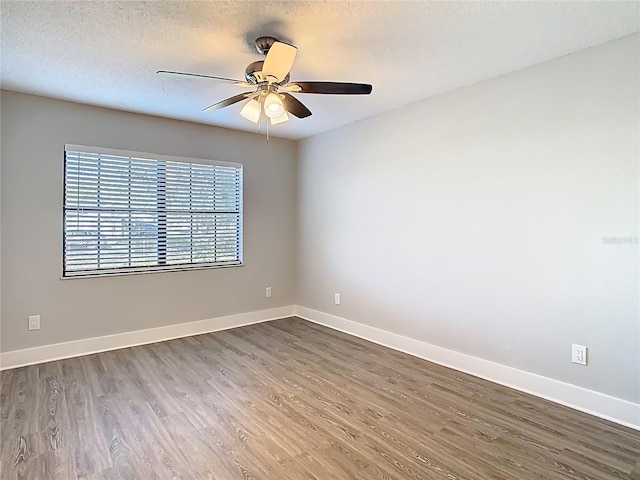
point(34, 322)
point(579, 354)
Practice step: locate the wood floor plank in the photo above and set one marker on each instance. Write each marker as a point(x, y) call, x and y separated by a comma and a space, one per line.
point(85, 407)
point(290, 400)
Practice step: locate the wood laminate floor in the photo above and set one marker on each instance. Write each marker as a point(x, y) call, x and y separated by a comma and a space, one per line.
point(285, 400)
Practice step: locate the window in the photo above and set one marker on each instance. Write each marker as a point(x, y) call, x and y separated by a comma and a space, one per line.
point(128, 212)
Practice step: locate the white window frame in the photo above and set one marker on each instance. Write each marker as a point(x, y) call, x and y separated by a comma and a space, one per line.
point(70, 271)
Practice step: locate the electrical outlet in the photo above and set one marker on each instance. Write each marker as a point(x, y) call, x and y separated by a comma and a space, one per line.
point(579, 354)
point(337, 298)
point(34, 322)
point(267, 292)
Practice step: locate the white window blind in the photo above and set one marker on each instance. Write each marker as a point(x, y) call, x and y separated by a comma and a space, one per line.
point(128, 212)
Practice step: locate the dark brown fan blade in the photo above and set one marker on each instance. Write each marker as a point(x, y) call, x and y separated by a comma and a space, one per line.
point(295, 106)
point(197, 75)
point(228, 101)
point(334, 88)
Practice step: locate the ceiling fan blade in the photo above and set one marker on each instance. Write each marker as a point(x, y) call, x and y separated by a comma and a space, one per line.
point(208, 77)
point(329, 88)
point(295, 106)
point(279, 60)
point(229, 101)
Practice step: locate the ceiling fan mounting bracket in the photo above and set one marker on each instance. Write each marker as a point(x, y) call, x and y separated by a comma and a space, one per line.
point(263, 44)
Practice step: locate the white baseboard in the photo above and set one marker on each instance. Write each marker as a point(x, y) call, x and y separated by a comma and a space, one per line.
point(589, 401)
point(86, 346)
point(582, 399)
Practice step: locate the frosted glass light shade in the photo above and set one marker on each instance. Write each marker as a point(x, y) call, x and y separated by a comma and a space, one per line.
point(251, 110)
point(273, 107)
point(281, 119)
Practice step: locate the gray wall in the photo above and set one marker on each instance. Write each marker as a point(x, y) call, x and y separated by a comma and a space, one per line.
point(475, 220)
point(34, 131)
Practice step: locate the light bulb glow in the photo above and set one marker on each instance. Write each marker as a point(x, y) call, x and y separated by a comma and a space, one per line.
point(251, 111)
point(273, 107)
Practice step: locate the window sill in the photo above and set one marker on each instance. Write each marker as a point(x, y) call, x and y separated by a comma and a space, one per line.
point(119, 273)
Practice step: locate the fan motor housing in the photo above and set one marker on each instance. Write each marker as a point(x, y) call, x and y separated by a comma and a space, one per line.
point(253, 71)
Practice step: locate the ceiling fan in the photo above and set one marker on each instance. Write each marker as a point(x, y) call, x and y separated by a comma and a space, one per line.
point(271, 90)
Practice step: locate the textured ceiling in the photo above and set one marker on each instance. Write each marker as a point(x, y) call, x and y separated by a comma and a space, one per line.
point(106, 53)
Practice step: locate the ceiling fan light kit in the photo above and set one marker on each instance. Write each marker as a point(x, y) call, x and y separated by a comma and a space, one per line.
point(252, 110)
point(273, 107)
point(281, 119)
point(269, 79)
